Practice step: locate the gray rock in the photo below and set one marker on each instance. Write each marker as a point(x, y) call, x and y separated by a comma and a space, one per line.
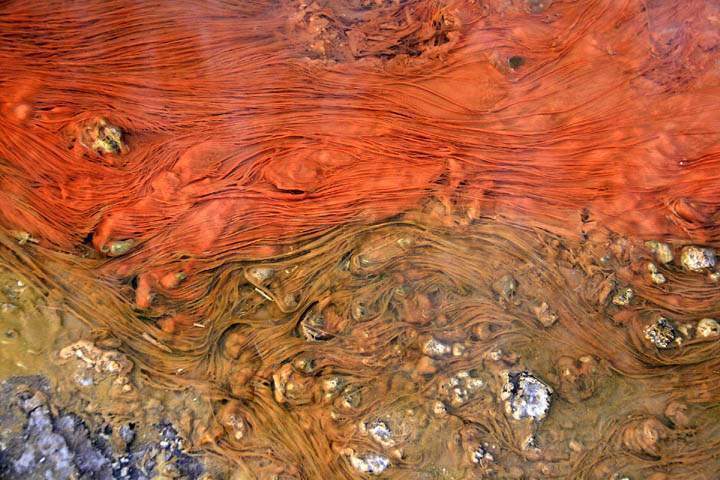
point(526, 397)
point(381, 433)
point(372, 463)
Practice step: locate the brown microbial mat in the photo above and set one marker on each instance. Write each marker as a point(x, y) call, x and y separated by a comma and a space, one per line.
point(354, 239)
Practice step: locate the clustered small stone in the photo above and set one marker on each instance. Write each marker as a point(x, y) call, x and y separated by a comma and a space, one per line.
point(662, 333)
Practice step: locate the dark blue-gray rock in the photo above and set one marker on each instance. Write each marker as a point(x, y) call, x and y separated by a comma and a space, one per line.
point(36, 443)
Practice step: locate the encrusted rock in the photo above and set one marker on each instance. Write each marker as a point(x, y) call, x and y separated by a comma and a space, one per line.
point(662, 251)
point(350, 399)
point(261, 274)
point(101, 361)
point(460, 388)
point(103, 137)
point(304, 364)
point(545, 315)
point(576, 446)
point(425, 366)
point(697, 259)
point(435, 348)
point(525, 396)
point(578, 378)
point(372, 463)
point(381, 433)
point(320, 322)
point(623, 297)
point(458, 349)
point(439, 408)
point(119, 247)
point(656, 277)
point(231, 418)
point(505, 286)
point(291, 387)
point(643, 436)
point(23, 237)
point(662, 333)
point(708, 327)
point(676, 412)
point(332, 385)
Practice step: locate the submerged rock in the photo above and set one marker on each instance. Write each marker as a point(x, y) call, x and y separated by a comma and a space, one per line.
point(697, 259)
point(460, 388)
point(381, 433)
point(505, 286)
point(577, 378)
point(623, 297)
point(526, 397)
point(119, 247)
point(644, 436)
point(103, 137)
point(662, 251)
point(435, 348)
point(656, 277)
point(481, 454)
point(662, 333)
point(545, 315)
point(708, 327)
point(372, 463)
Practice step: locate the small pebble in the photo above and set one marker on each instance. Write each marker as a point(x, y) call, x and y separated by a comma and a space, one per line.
point(480, 454)
point(576, 446)
point(127, 433)
point(439, 408)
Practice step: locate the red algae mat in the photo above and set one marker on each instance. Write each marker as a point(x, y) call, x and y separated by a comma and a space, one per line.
point(246, 122)
point(218, 184)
